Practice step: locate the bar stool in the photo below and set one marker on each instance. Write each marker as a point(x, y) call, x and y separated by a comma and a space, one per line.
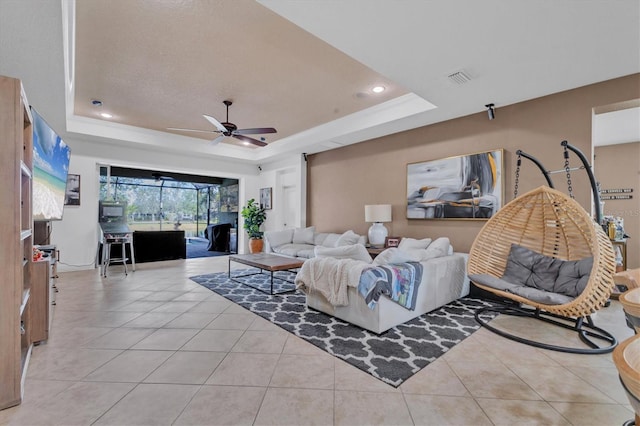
point(106, 253)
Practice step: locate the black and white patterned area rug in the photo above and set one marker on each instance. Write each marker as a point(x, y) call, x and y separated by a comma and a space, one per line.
point(392, 356)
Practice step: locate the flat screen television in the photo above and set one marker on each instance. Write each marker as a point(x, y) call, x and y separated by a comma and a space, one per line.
point(50, 168)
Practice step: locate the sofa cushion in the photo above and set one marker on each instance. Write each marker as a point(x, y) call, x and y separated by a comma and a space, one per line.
point(278, 238)
point(438, 248)
point(354, 251)
point(307, 253)
point(304, 235)
point(573, 276)
point(412, 243)
point(292, 249)
point(331, 240)
point(319, 237)
point(396, 255)
point(347, 239)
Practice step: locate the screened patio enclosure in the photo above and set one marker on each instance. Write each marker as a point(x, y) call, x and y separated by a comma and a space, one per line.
point(159, 201)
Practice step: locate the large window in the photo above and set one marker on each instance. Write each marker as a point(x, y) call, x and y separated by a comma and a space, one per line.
point(167, 201)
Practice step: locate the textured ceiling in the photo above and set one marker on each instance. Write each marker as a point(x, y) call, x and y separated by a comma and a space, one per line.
point(158, 64)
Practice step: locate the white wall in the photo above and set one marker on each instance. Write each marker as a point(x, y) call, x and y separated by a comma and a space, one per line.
point(294, 170)
point(77, 234)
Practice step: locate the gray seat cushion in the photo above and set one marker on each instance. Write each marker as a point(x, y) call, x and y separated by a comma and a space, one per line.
point(530, 293)
point(491, 281)
point(540, 278)
point(535, 270)
point(532, 269)
point(541, 296)
point(573, 276)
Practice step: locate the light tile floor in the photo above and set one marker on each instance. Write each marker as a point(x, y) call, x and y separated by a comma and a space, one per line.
point(155, 348)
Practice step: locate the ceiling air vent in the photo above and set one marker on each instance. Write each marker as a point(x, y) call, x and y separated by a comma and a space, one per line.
point(459, 77)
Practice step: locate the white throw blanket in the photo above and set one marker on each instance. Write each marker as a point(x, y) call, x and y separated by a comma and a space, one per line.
point(330, 277)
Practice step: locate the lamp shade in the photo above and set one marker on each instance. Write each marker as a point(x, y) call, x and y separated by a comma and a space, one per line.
point(377, 213)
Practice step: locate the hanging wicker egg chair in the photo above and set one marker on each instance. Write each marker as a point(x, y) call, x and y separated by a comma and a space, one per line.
point(551, 223)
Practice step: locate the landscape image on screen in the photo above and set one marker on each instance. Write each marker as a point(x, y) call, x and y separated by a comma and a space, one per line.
point(50, 168)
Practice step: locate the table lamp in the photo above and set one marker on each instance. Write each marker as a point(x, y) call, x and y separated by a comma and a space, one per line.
point(377, 213)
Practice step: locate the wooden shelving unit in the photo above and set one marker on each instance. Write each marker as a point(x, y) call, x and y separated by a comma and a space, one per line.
point(16, 239)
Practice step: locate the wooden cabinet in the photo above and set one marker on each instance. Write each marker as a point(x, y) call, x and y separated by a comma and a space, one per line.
point(16, 239)
point(40, 314)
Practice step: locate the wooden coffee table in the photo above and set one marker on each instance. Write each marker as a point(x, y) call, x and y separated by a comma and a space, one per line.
point(265, 262)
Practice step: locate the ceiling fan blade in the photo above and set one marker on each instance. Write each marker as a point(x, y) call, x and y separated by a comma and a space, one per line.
point(255, 131)
point(215, 122)
point(250, 140)
point(217, 140)
point(192, 130)
point(158, 176)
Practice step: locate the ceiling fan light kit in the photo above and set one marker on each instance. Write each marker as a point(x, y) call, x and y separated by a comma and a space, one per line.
point(228, 129)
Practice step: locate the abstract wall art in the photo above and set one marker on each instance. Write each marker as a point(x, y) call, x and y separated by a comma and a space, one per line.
point(462, 187)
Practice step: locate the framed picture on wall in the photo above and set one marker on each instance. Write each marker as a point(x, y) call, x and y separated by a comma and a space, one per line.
point(72, 192)
point(392, 242)
point(265, 198)
point(463, 187)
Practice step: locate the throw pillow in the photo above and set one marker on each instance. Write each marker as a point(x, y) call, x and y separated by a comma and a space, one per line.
point(438, 248)
point(303, 235)
point(395, 255)
point(330, 240)
point(532, 269)
point(354, 251)
point(347, 239)
point(278, 238)
point(319, 237)
point(573, 276)
point(519, 264)
point(412, 243)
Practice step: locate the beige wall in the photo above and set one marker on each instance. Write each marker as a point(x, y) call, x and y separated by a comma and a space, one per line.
point(342, 181)
point(618, 166)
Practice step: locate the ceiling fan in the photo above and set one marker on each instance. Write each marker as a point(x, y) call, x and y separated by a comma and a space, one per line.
point(227, 129)
point(159, 176)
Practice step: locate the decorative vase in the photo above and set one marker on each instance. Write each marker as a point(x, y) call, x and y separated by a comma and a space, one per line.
point(255, 245)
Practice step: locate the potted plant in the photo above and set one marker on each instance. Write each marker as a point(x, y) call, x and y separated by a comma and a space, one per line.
point(254, 216)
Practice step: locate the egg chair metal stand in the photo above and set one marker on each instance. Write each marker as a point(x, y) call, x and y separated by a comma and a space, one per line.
point(548, 222)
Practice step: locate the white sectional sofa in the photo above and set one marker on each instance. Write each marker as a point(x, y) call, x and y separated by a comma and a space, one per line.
point(301, 242)
point(444, 280)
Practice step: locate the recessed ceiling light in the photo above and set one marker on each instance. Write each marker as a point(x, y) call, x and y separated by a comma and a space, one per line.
point(378, 89)
point(106, 115)
point(246, 143)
